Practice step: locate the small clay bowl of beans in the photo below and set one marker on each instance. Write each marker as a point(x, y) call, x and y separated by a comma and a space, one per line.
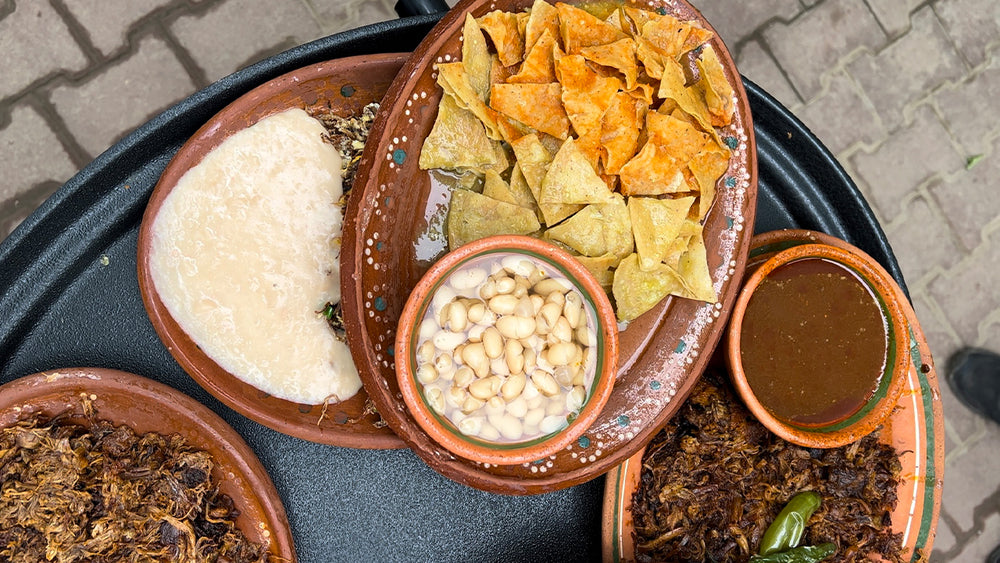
point(507, 350)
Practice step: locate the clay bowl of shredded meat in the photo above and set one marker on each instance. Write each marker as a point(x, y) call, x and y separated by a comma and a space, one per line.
point(103, 465)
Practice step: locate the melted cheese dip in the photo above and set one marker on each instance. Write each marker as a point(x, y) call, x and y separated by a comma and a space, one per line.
point(245, 251)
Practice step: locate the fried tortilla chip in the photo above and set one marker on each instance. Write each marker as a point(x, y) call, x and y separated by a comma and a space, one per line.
point(637, 291)
point(654, 171)
point(504, 30)
point(650, 57)
point(707, 167)
point(515, 192)
point(619, 55)
point(666, 34)
point(474, 216)
point(718, 91)
point(693, 270)
point(534, 160)
point(579, 29)
point(688, 99)
point(620, 131)
point(597, 230)
point(602, 268)
point(586, 95)
point(681, 139)
point(571, 179)
point(542, 17)
point(656, 223)
point(459, 141)
point(522, 193)
point(539, 65)
point(454, 80)
point(536, 105)
point(476, 57)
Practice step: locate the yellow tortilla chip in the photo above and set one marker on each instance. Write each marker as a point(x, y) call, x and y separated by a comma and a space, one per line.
point(534, 160)
point(458, 140)
point(653, 171)
point(476, 57)
point(521, 191)
point(707, 167)
point(571, 179)
point(620, 131)
point(539, 65)
point(666, 34)
point(597, 230)
point(655, 225)
point(718, 91)
point(689, 99)
point(602, 268)
point(536, 105)
point(474, 216)
point(542, 17)
point(586, 95)
point(651, 59)
point(619, 55)
point(503, 29)
point(695, 278)
point(579, 29)
point(637, 291)
point(515, 192)
point(633, 19)
point(455, 81)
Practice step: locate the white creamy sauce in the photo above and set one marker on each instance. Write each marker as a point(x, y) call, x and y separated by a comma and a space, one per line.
point(246, 251)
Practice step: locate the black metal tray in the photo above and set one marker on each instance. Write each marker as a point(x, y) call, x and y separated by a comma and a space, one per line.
point(69, 297)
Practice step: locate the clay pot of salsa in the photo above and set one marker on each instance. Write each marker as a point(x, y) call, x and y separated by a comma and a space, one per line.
point(817, 345)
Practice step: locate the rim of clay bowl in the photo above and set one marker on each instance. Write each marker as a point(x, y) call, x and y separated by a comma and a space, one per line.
point(879, 406)
point(501, 453)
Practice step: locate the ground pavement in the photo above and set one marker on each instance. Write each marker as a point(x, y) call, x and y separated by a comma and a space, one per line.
point(906, 93)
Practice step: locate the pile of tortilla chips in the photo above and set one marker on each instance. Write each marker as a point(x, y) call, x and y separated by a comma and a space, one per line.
point(597, 134)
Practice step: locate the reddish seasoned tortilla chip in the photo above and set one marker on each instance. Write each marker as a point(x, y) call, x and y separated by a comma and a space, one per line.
point(586, 95)
point(718, 92)
point(652, 172)
point(620, 131)
point(579, 29)
point(681, 139)
point(619, 55)
point(503, 29)
point(539, 65)
point(536, 105)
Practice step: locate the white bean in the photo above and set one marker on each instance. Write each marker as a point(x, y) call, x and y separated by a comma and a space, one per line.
point(474, 356)
point(562, 330)
point(562, 353)
point(493, 343)
point(435, 398)
point(425, 353)
point(494, 406)
point(524, 308)
point(573, 309)
point(518, 265)
point(471, 425)
point(552, 424)
point(472, 404)
point(534, 416)
point(499, 367)
point(485, 388)
point(536, 304)
point(442, 297)
point(514, 356)
point(503, 304)
point(464, 376)
point(476, 333)
point(556, 405)
point(443, 362)
point(575, 399)
point(488, 432)
point(545, 383)
point(510, 427)
point(456, 396)
point(476, 311)
point(505, 285)
point(427, 374)
point(458, 316)
point(551, 313)
point(447, 341)
point(468, 278)
point(518, 407)
point(585, 335)
point(513, 387)
point(488, 290)
point(549, 286)
point(428, 328)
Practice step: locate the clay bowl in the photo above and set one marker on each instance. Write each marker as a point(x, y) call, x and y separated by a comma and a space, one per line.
point(148, 406)
point(471, 264)
point(344, 86)
point(850, 425)
point(393, 235)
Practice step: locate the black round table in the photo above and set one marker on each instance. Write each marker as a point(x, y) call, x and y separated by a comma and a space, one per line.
point(69, 297)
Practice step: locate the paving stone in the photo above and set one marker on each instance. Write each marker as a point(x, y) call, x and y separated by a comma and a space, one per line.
point(940, 338)
point(30, 153)
point(14, 211)
point(100, 111)
point(754, 63)
point(908, 158)
point(339, 15)
point(908, 68)
point(922, 240)
point(972, 24)
point(969, 200)
point(27, 58)
point(968, 293)
point(970, 107)
point(233, 34)
point(736, 20)
point(894, 15)
point(841, 116)
point(960, 420)
point(968, 482)
point(813, 43)
point(944, 540)
point(107, 22)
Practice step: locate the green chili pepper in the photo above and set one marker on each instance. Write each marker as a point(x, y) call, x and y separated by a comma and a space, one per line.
point(787, 529)
point(804, 554)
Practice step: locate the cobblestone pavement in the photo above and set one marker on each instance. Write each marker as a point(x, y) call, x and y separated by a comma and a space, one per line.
point(906, 93)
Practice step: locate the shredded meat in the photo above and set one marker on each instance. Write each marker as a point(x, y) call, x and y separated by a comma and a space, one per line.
point(714, 479)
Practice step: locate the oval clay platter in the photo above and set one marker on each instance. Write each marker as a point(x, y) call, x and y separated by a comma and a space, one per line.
point(915, 429)
point(344, 86)
point(389, 242)
point(148, 406)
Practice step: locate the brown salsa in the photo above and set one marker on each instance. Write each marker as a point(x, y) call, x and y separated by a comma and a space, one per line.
point(814, 342)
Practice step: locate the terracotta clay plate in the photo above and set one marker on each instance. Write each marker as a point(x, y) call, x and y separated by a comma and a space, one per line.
point(345, 86)
point(916, 429)
point(148, 406)
point(389, 242)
